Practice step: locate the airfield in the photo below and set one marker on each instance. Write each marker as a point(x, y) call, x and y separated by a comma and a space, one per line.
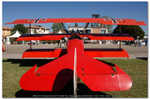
point(135, 66)
point(15, 51)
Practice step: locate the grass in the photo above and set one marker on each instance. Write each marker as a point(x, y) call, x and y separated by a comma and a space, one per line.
point(11, 76)
point(136, 68)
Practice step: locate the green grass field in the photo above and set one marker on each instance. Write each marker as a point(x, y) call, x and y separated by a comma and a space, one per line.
point(136, 68)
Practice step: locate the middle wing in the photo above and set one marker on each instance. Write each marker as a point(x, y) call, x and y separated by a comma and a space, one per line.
point(28, 37)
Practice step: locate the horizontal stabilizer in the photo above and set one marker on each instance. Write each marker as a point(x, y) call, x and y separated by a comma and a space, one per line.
point(43, 78)
point(99, 76)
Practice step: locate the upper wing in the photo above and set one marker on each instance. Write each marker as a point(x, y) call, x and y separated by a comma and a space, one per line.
point(109, 21)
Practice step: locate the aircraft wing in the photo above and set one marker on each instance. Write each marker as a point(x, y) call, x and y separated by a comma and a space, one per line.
point(29, 37)
point(55, 53)
point(108, 21)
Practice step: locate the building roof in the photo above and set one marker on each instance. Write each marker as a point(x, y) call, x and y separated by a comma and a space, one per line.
point(6, 28)
point(83, 27)
point(38, 27)
point(16, 34)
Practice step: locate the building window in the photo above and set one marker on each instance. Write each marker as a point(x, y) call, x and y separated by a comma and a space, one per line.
point(103, 31)
point(88, 31)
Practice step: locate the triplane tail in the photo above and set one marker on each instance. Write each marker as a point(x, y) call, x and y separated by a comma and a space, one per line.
point(98, 76)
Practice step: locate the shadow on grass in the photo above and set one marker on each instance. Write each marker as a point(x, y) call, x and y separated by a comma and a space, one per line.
point(40, 62)
point(109, 64)
point(63, 87)
point(28, 62)
point(83, 92)
point(142, 58)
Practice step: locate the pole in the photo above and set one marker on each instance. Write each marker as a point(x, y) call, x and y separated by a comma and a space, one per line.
point(30, 33)
point(75, 73)
point(120, 44)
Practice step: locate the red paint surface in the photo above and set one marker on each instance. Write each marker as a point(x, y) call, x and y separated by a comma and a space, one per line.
point(107, 53)
point(3, 48)
point(110, 38)
point(98, 76)
point(79, 20)
point(59, 37)
point(45, 37)
point(92, 53)
point(42, 54)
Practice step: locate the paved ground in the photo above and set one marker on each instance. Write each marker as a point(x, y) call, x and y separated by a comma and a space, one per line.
point(15, 51)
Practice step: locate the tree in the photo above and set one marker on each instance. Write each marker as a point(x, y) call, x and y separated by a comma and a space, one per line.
point(58, 26)
point(134, 31)
point(19, 27)
point(95, 24)
point(109, 27)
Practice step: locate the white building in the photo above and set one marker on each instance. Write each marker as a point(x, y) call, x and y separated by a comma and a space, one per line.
point(38, 29)
point(15, 35)
point(91, 30)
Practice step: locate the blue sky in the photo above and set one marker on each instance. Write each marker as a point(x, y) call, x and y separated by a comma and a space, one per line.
point(19, 10)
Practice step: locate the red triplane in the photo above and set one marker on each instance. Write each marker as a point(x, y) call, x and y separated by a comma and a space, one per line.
point(97, 75)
